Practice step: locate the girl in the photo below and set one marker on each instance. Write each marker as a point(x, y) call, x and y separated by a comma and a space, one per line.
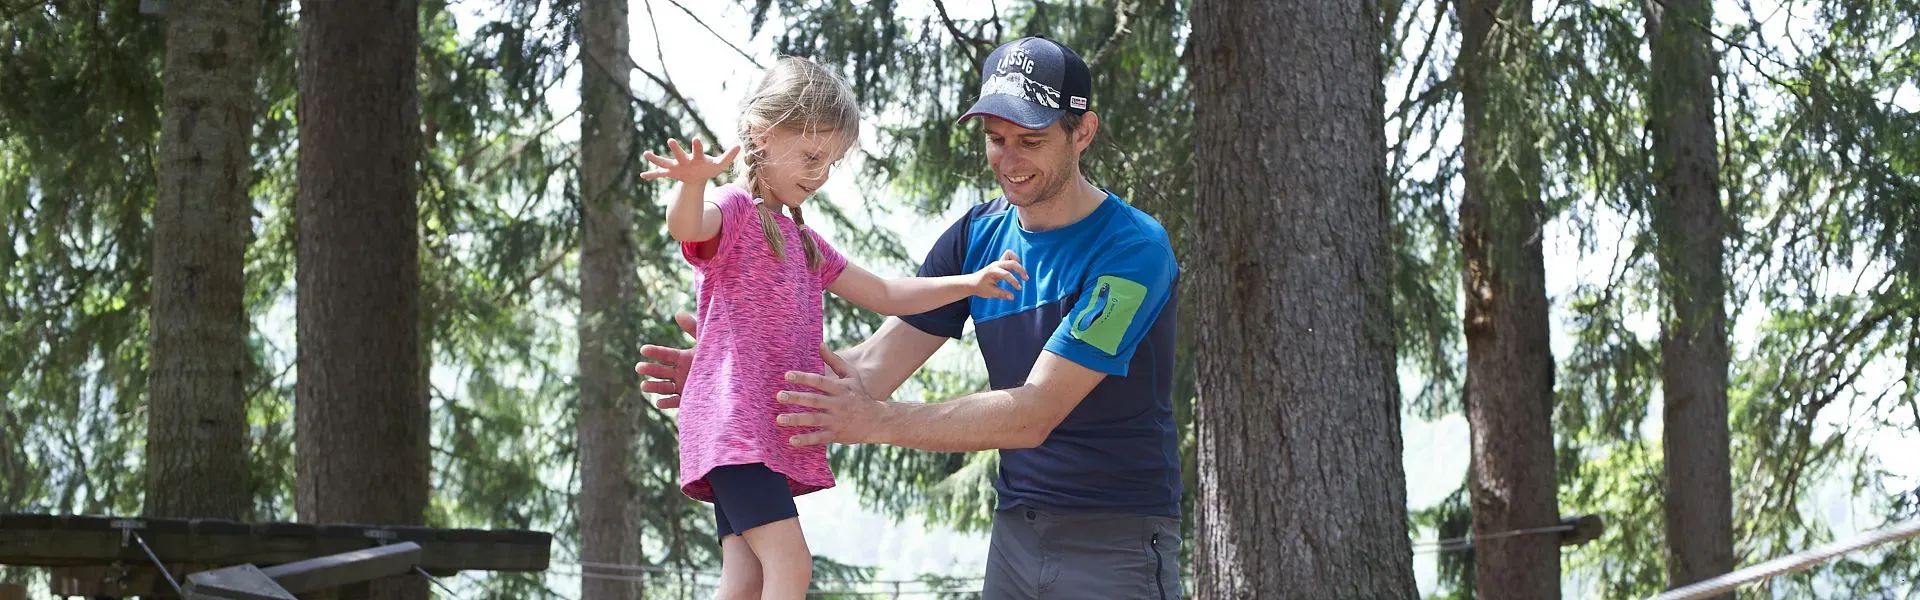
point(761, 279)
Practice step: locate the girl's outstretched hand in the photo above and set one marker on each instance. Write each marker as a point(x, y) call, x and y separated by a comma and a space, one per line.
point(688, 167)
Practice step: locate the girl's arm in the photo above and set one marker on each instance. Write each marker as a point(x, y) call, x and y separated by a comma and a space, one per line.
point(914, 295)
point(689, 217)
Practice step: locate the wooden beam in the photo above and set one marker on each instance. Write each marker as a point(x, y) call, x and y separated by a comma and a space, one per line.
point(57, 541)
point(350, 567)
point(1586, 528)
point(243, 582)
point(115, 581)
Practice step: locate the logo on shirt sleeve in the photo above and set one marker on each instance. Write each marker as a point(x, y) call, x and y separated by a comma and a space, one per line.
point(1108, 313)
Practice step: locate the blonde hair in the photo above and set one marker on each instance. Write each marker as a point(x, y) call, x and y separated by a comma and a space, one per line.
point(799, 95)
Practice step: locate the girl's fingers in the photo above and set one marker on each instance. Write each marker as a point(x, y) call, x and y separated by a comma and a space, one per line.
point(657, 159)
point(678, 152)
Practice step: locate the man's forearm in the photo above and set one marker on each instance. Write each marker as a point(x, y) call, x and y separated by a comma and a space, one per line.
point(998, 419)
point(885, 360)
point(851, 408)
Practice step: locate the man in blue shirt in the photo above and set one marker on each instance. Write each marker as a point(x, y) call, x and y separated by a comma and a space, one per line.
point(1080, 361)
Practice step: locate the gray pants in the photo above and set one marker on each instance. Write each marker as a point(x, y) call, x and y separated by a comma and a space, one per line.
point(1041, 554)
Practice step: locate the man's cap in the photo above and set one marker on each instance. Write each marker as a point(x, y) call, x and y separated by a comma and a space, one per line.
point(1031, 82)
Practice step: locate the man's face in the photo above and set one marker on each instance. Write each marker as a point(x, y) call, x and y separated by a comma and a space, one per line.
point(1033, 165)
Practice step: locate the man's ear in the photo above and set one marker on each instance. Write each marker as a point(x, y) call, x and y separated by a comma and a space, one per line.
point(1089, 125)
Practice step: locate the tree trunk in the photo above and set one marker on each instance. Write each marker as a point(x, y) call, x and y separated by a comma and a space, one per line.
point(1509, 392)
point(361, 421)
point(197, 416)
point(609, 526)
point(1302, 492)
point(1689, 225)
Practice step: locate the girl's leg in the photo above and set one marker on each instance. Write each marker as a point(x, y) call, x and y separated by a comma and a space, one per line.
point(739, 570)
point(756, 503)
point(786, 565)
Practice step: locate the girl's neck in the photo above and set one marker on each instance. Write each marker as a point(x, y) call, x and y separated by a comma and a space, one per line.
point(772, 207)
point(770, 203)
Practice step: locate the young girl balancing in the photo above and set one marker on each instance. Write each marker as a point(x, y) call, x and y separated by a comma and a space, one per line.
point(761, 277)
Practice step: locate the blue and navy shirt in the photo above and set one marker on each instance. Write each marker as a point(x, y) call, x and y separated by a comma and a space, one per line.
point(1100, 292)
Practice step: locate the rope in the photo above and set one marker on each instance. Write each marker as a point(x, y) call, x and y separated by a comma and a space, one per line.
point(935, 589)
point(1791, 563)
point(1463, 543)
point(673, 571)
point(436, 581)
point(156, 564)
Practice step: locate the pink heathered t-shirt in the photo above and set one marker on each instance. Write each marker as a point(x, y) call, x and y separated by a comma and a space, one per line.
point(759, 318)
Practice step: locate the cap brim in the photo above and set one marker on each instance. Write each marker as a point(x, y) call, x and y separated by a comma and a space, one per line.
point(1015, 110)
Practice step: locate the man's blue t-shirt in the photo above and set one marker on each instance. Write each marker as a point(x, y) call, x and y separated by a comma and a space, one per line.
point(1100, 293)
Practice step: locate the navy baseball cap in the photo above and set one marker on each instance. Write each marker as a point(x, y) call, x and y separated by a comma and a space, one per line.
point(1031, 82)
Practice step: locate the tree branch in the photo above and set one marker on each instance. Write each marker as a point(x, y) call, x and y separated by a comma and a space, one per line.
point(1122, 16)
point(1426, 97)
point(980, 46)
point(466, 161)
point(716, 35)
point(546, 266)
point(672, 92)
point(659, 48)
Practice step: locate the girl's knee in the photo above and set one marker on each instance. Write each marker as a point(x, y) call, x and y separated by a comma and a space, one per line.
point(739, 571)
point(738, 589)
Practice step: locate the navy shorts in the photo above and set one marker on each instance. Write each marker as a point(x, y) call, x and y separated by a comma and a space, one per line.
point(748, 496)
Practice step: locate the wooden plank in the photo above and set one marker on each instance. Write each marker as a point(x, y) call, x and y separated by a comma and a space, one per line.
point(243, 582)
point(10, 591)
point(351, 567)
point(55, 541)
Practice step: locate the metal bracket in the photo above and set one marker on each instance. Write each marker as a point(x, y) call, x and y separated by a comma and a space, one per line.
point(382, 537)
point(126, 527)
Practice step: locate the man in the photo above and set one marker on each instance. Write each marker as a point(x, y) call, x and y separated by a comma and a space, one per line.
point(1080, 361)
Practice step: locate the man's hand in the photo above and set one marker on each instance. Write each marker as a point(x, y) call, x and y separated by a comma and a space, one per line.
point(668, 366)
point(847, 413)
